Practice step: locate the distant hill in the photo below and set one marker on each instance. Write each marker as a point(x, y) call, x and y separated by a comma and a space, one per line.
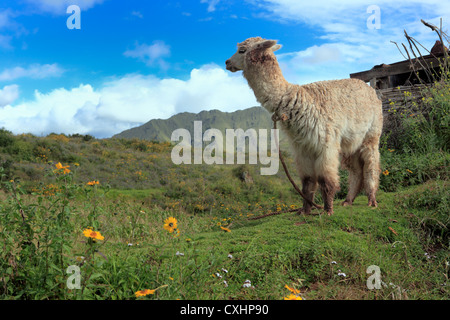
point(161, 130)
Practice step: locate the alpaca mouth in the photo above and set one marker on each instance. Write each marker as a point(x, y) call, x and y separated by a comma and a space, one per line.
point(232, 68)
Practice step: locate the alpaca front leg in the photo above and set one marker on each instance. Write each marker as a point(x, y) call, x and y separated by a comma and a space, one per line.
point(328, 189)
point(309, 188)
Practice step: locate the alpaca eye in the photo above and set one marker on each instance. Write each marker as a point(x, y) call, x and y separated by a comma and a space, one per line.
point(241, 51)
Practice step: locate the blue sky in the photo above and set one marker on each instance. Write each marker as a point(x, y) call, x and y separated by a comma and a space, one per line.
point(133, 61)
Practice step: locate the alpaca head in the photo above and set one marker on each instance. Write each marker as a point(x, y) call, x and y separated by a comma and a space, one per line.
point(251, 51)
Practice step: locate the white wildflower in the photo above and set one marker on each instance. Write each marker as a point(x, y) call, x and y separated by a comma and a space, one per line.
point(341, 274)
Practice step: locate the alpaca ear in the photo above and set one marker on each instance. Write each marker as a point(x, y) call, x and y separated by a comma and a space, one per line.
point(267, 44)
point(276, 47)
point(258, 54)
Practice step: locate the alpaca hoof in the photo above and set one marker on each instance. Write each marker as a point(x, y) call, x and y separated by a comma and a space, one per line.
point(304, 211)
point(346, 203)
point(373, 203)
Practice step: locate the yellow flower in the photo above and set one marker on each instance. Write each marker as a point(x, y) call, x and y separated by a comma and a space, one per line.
point(293, 297)
point(65, 169)
point(92, 183)
point(294, 291)
point(143, 293)
point(225, 229)
point(409, 171)
point(170, 224)
point(386, 172)
point(88, 233)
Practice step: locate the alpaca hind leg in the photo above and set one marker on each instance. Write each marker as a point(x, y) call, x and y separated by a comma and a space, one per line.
point(355, 178)
point(371, 172)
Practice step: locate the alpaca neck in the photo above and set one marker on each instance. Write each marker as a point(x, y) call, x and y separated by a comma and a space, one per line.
point(267, 82)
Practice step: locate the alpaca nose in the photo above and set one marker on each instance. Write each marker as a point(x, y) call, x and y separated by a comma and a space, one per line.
point(227, 62)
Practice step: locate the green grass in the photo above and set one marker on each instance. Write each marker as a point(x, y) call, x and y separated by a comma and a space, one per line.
point(305, 252)
point(44, 212)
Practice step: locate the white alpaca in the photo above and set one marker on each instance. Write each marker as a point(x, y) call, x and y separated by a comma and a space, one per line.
point(328, 122)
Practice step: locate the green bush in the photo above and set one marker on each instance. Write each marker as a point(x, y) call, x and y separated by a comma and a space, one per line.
point(423, 126)
point(6, 138)
point(432, 202)
point(401, 170)
point(22, 149)
point(35, 242)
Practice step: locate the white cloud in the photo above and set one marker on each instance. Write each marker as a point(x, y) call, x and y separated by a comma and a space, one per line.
point(326, 62)
point(344, 42)
point(49, 112)
point(5, 19)
point(60, 6)
point(127, 102)
point(9, 28)
point(137, 14)
point(211, 4)
point(34, 71)
point(8, 94)
point(322, 13)
point(153, 54)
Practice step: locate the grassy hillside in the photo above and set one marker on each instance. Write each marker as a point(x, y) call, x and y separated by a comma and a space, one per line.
point(103, 206)
point(44, 211)
point(161, 130)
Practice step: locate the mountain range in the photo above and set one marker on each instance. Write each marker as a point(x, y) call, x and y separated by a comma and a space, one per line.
point(161, 130)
